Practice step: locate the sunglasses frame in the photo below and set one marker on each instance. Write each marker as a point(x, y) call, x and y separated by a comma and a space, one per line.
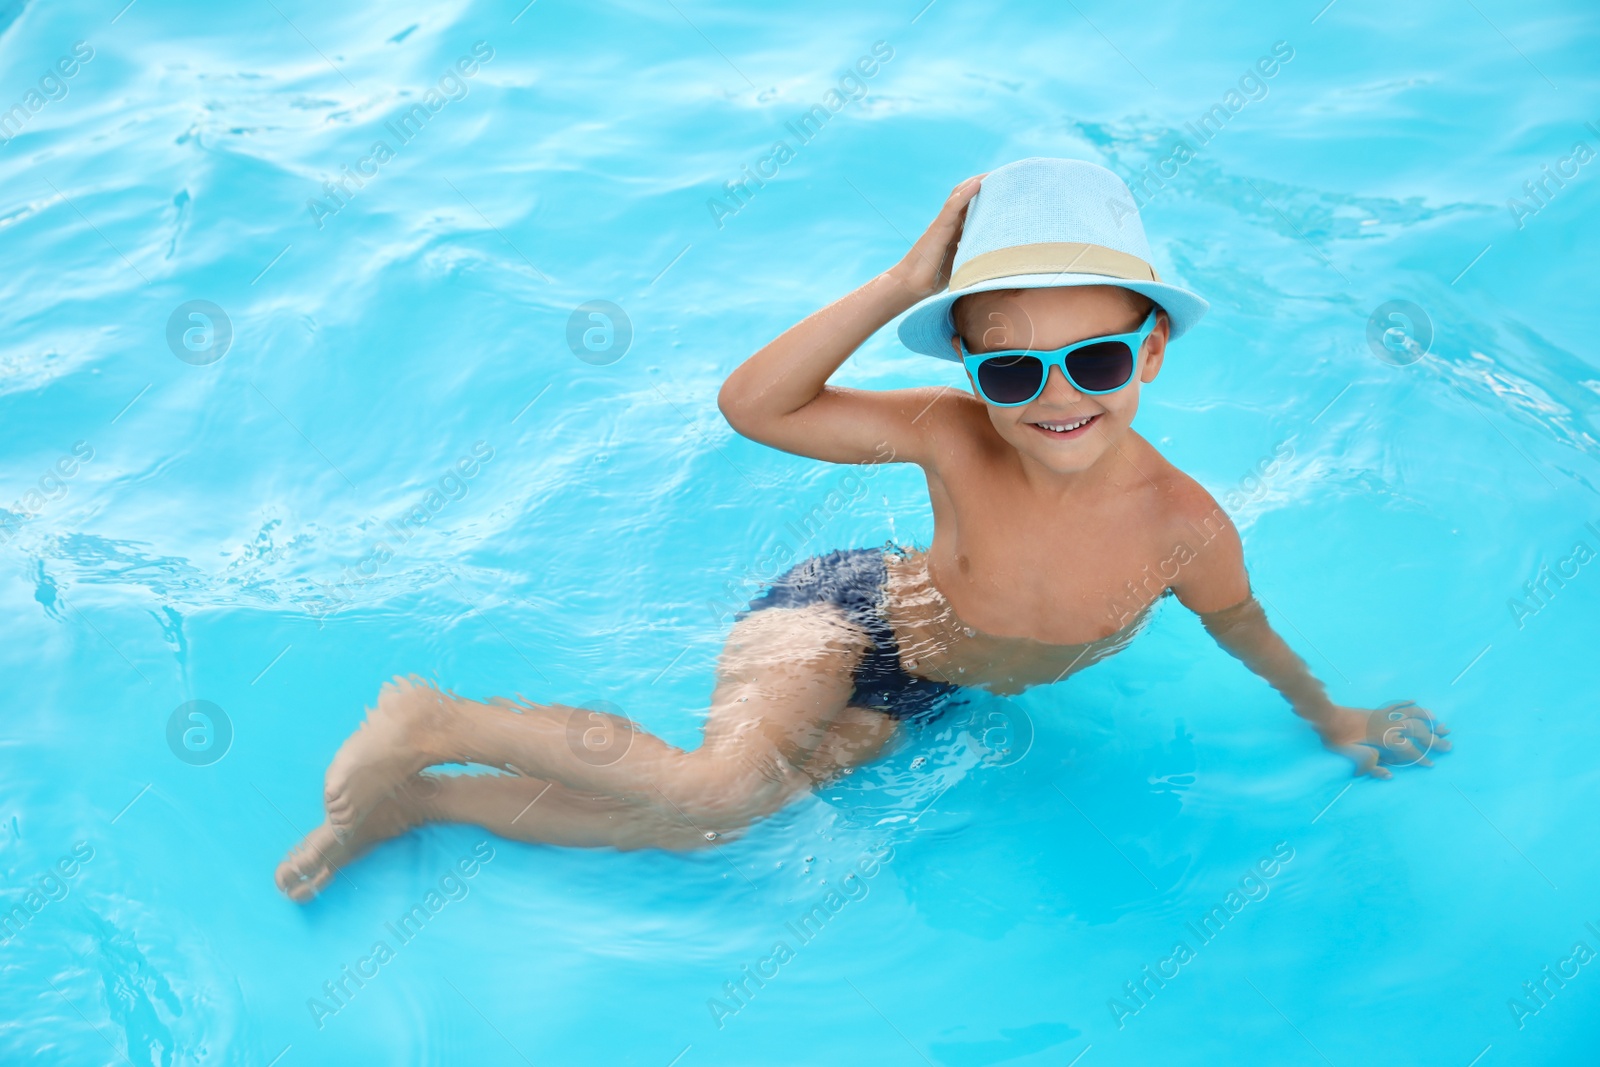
point(1058, 358)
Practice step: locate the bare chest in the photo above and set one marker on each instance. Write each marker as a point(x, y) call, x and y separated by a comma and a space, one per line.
point(1061, 572)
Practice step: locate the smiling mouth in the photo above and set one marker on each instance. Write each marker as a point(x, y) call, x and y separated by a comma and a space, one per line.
point(1066, 428)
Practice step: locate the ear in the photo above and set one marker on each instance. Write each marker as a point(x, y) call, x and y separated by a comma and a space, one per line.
point(955, 346)
point(1155, 348)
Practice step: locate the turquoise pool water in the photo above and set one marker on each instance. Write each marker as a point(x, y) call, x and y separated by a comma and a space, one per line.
point(193, 505)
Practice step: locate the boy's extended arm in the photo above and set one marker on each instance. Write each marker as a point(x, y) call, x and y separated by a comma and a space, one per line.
point(1215, 586)
point(780, 396)
point(1244, 633)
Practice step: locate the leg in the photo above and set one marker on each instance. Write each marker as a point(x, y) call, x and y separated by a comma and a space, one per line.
point(513, 807)
point(783, 678)
point(783, 683)
point(527, 809)
point(540, 812)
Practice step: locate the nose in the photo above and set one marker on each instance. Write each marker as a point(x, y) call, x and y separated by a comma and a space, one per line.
point(1058, 390)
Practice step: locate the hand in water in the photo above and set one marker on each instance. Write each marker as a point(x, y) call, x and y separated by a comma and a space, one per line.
point(1400, 734)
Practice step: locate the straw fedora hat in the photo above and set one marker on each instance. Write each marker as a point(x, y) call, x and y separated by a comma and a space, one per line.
point(1044, 223)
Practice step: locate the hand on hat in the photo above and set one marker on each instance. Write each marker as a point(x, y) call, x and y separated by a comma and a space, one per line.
point(925, 270)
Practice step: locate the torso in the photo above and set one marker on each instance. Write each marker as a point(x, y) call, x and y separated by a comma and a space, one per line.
point(1020, 589)
point(936, 643)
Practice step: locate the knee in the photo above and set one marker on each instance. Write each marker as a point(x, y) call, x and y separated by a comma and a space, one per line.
point(398, 690)
point(409, 694)
point(723, 793)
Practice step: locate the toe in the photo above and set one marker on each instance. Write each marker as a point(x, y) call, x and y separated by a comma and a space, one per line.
point(298, 868)
point(308, 866)
point(310, 887)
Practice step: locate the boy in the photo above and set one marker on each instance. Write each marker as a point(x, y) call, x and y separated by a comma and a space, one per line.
point(1056, 526)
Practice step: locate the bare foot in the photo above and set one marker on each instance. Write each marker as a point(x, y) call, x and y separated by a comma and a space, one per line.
point(399, 739)
point(312, 863)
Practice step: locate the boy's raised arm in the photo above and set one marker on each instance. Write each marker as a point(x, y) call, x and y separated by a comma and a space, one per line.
point(780, 396)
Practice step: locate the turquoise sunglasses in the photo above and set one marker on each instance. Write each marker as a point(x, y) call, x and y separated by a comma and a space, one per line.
point(1096, 365)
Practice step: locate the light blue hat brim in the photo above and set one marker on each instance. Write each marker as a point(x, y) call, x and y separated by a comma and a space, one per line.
point(927, 327)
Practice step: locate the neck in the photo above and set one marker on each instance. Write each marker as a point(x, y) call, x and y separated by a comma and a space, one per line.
point(1114, 461)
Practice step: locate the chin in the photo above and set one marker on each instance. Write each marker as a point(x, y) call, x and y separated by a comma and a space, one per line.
point(1060, 458)
point(1064, 444)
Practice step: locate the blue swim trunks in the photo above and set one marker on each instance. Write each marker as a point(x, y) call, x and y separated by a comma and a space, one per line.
point(854, 581)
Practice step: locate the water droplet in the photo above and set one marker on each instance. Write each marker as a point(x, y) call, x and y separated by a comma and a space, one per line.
point(810, 858)
point(710, 835)
point(970, 632)
point(918, 763)
point(961, 670)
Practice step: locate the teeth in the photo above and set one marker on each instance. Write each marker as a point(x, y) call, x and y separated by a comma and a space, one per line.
point(1063, 427)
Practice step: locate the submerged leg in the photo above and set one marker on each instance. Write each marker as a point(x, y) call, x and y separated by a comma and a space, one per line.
point(537, 811)
point(510, 806)
point(783, 683)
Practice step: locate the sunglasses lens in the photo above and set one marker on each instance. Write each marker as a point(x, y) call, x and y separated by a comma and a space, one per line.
point(1103, 367)
point(1010, 379)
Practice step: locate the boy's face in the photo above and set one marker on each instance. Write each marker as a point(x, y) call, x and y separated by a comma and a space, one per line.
point(1046, 319)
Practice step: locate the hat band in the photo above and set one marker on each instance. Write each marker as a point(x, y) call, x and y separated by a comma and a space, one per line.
point(1052, 257)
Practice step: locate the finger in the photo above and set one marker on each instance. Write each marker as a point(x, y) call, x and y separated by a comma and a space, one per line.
point(1365, 757)
point(1428, 742)
point(1399, 749)
point(943, 229)
point(1418, 730)
point(962, 194)
point(947, 265)
point(953, 214)
point(1425, 732)
point(956, 232)
point(1413, 710)
point(937, 246)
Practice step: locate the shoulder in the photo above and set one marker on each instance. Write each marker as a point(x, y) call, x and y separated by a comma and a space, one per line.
point(953, 421)
point(1189, 510)
point(946, 405)
point(1211, 572)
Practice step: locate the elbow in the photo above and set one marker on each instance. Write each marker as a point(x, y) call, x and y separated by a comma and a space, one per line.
point(742, 410)
point(732, 403)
